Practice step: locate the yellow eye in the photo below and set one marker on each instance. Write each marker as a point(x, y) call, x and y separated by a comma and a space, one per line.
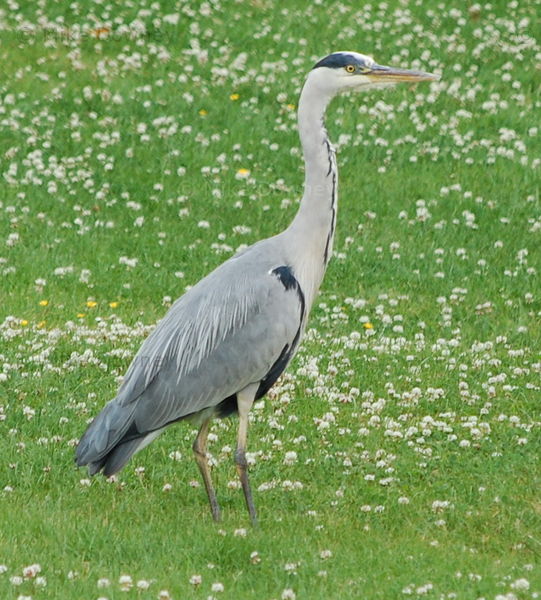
point(350, 69)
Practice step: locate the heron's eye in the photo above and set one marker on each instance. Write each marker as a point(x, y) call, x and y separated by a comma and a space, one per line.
point(350, 68)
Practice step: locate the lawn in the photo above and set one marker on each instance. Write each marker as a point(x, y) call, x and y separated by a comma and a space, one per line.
point(399, 456)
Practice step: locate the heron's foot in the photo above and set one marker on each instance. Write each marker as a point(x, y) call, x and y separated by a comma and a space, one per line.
point(202, 463)
point(200, 453)
point(242, 470)
point(215, 509)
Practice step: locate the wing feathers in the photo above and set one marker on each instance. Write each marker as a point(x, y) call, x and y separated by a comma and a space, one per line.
point(228, 331)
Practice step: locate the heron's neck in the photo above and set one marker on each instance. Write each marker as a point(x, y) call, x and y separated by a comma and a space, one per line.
point(313, 227)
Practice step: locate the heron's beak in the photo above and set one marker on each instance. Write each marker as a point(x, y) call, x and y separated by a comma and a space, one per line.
point(383, 74)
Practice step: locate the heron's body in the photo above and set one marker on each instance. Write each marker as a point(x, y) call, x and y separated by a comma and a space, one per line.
point(224, 343)
point(202, 352)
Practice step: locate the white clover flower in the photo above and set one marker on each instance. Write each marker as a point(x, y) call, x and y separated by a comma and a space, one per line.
point(240, 532)
point(520, 584)
point(125, 582)
point(440, 505)
point(290, 458)
point(129, 262)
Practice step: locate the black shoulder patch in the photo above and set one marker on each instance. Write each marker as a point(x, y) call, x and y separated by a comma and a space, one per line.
point(338, 60)
point(289, 281)
point(285, 275)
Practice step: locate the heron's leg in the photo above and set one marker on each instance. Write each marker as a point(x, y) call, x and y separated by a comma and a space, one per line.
point(200, 452)
point(245, 399)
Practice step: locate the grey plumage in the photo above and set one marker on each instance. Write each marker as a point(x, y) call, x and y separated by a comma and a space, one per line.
point(209, 336)
point(224, 343)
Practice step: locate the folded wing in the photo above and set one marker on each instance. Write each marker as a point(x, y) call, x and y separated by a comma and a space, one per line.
point(239, 325)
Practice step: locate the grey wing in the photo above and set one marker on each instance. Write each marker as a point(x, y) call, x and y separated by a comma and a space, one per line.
point(239, 325)
point(238, 334)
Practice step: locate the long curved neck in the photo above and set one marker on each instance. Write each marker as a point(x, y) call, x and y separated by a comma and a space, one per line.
point(313, 227)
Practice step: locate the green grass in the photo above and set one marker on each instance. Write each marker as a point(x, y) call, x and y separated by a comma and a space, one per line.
point(413, 405)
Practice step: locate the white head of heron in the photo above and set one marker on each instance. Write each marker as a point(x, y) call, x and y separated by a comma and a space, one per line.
point(343, 71)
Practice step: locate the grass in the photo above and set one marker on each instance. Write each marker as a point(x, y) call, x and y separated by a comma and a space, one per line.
point(399, 456)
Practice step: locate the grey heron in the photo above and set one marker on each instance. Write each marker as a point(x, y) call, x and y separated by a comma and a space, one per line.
point(225, 342)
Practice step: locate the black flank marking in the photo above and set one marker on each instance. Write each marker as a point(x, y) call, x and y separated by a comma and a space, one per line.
point(227, 407)
point(275, 371)
point(289, 281)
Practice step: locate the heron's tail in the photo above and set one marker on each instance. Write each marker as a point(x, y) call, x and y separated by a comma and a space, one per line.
point(110, 440)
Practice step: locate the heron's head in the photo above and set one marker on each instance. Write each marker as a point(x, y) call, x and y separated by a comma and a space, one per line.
point(342, 71)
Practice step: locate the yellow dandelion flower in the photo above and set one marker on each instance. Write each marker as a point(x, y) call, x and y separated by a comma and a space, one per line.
point(368, 325)
point(203, 112)
point(113, 304)
point(91, 303)
point(81, 315)
point(243, 173)
point(24, 322)
point(43, 302)
point(290, 107)
point(234, 97)
point(41, 324)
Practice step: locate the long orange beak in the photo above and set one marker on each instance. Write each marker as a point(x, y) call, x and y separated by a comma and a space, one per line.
point(383, 74)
